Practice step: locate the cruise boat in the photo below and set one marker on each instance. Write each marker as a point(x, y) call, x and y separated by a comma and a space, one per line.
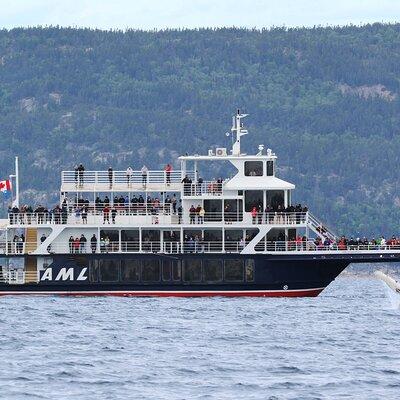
point(172, 233)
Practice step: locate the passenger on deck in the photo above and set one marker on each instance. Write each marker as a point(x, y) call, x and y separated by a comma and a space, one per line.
point(82, 243)
point(93, 243)
point(110, 176)
point(84, 215)
point(199, 190)
point(180, 212)
point(168, 170)
point(71, 244)
point(201, 213)
point(76, 245)
point(113, 214)
point(81, 171)
point(187, 182)
point(144, 172)
point(173, 202)
point(129, 173)
point(167, 205)
point(254, 214)
point(192, 214)
point(106, 214)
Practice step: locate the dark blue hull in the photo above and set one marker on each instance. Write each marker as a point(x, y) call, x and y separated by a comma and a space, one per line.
point(182, 275)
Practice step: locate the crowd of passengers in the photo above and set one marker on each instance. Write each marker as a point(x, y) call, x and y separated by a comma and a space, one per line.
point(278, 214)
point(139, 205)
point(81, 208)
point(343, 243)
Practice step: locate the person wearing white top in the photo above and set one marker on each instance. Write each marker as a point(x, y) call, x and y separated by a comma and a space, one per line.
point(129, 173)
point(144, 172)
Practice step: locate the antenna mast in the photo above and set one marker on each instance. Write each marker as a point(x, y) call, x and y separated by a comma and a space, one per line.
point(237, 127)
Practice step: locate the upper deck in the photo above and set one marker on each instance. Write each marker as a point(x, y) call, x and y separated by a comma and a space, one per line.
point(120, 181)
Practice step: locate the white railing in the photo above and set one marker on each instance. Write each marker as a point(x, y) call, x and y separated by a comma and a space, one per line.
point(188, 246)
point(13, 276)
point(207, 187)
point(105, 178)
point(312, 246)
point(150, 215)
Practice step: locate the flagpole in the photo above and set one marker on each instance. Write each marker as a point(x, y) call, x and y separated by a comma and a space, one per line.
point(16, 182)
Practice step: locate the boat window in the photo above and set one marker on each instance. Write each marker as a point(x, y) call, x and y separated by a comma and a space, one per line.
point(253, 198)
point(151, 271)
point(94, 271)
point(213, 210)
point(109, 270)
point(130, 270)
point(129, 240)
point(275, 198)
point(253, 168)
point(176, 270)
point(234, 270)
point(166, 270)
point(270, 168)
point(249, 270)
point(192, 270)
point(212, 270)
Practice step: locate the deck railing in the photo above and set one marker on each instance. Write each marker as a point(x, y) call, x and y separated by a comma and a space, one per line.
point(188, 246)
point(122, 178)
point(149, 214)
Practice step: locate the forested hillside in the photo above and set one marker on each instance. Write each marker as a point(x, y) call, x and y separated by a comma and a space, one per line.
point(326, 100)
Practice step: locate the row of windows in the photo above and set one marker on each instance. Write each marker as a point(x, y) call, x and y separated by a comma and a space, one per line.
point(167, 270)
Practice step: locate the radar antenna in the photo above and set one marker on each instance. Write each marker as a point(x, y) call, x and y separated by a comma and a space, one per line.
point(238, 128)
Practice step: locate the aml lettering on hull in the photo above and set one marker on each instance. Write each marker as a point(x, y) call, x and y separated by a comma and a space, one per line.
point(63, 274)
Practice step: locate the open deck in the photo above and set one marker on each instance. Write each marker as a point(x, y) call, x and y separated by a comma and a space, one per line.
point(119, 181)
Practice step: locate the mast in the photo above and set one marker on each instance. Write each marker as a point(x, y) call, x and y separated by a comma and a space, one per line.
point(15, 203)
point(237, 127)
point(16, 182)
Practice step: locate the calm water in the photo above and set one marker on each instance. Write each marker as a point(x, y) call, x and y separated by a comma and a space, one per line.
point(344, 344)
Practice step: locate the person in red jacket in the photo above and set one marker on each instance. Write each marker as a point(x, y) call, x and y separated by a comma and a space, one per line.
point(106, 214)
point(168, 170)
point(254, 214)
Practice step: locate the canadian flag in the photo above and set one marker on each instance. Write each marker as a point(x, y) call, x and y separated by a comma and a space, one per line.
point(5, 186)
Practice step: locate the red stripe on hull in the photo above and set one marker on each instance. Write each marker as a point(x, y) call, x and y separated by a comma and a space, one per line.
point(268, 293)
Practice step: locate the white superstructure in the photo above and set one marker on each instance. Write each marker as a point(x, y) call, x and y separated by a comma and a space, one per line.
point(246, 213)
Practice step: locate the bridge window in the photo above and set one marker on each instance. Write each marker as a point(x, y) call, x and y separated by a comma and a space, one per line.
point(234, 270)
point(249, 264)
point(151, 271)
point(109, 270)
point(192, 270)
point(213, 270)
point(270, 168)
point(130, 270)
point(253, 168)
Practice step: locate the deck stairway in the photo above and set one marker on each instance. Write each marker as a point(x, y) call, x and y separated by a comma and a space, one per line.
point(319, 228)
point(31, 270)
point(31, 240)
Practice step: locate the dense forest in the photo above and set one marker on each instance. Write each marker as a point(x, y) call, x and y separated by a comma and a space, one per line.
point(326, 100)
